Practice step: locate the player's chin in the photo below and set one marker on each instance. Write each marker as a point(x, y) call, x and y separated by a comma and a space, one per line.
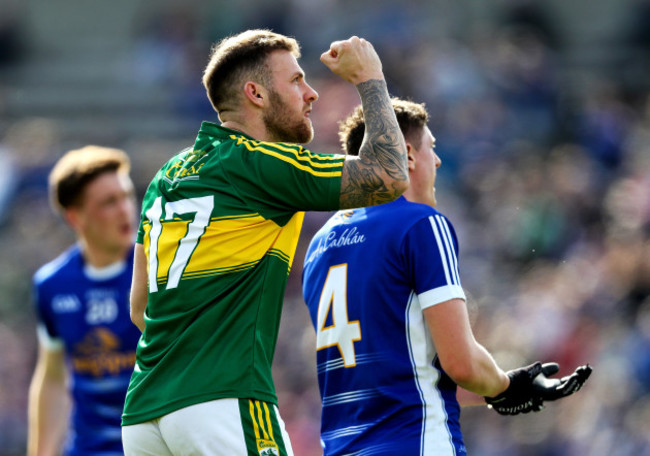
point(125, 238)
point(310, 134)
point(306, 133)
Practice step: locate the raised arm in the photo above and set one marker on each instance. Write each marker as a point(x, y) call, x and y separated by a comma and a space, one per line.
point(380, 173)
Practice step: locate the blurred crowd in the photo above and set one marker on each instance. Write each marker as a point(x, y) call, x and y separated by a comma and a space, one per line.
point(545, 175)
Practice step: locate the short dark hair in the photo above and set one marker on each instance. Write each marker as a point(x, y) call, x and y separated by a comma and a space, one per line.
point(78, 168)
point(239, 58)
point(412, 118)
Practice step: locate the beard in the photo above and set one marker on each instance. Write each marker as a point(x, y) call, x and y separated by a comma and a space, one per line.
point(283, 125)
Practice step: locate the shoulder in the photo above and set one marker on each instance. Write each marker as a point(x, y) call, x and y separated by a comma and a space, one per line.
point(236, 146)
point(293, 155)
point(406, 214)
point(392, 220)
point(173, 161)
point(428, 220)
point(396, 216)
point(65, 266)
point(408, 222)
point(418, 212)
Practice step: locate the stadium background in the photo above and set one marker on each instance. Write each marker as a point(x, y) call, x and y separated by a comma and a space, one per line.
point(542, 120)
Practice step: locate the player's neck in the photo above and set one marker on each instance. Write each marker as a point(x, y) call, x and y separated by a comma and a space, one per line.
point(259, 133)
point(415, 196)
point(232, 125)
point(101, 257)
point(249, 122)
point(250, 125)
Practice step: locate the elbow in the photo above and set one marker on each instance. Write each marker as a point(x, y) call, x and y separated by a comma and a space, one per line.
point(396, 188)
point(390, 186)
point(389, 189)
point(462, 373)
point(137, 319)
point(471, 378)
point(400, 186)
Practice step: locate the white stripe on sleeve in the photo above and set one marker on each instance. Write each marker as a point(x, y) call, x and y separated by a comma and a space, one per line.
point(47, 341)
point(441, 248)
point(452, 289)
point(450, 246)
point(441, 294)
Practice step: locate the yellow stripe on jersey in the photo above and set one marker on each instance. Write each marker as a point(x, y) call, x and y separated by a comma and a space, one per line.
point(261, 420)
point(306, 154)
point(229, 244)
point(269, 426)
point(280, 254)
point(234, 217)
point(256, 428)
point(147, 223)
point(215, 271)
point(267, 148)
point(262, 427)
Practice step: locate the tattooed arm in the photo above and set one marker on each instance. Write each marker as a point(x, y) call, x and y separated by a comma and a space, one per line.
point(380, 173)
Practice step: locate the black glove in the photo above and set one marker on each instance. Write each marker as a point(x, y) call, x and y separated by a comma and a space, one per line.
point(550, 389)
point(519, 397)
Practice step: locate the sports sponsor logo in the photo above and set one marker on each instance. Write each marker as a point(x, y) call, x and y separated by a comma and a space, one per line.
point(98, 354)
point(267, 448)
point(333, 240)
point(261, 420)
point(65, 303)
point(186, 167)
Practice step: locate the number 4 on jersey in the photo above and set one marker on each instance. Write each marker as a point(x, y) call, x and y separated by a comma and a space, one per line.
point(333, 302)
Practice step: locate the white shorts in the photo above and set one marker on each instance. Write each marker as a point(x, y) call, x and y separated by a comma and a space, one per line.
point(224, 427)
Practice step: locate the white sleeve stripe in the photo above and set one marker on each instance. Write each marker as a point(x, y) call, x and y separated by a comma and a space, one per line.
point(441, 249)
point(450, 250)
point(440, 295)
point(47, 341)
point(450, 244)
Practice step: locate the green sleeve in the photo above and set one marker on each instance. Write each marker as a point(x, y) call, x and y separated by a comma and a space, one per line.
point(285, 177)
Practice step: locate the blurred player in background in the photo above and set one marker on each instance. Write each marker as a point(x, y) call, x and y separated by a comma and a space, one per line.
point(392, 331)
point(219, 228)
point(86, 339)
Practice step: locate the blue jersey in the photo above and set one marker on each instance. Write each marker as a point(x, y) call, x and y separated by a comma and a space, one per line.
point(368, 275)
point(88, 313)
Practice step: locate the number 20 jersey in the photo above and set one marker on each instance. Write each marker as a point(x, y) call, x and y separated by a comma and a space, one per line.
point(87, 315)
point(368, 275)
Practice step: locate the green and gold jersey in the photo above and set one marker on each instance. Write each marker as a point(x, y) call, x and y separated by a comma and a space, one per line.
point(220, 225)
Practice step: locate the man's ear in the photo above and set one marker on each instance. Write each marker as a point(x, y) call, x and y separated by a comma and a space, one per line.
point(255, 93)
point(410, 154)
point(71, 217)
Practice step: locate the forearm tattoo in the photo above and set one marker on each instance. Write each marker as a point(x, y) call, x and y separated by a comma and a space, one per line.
point(382, 157)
